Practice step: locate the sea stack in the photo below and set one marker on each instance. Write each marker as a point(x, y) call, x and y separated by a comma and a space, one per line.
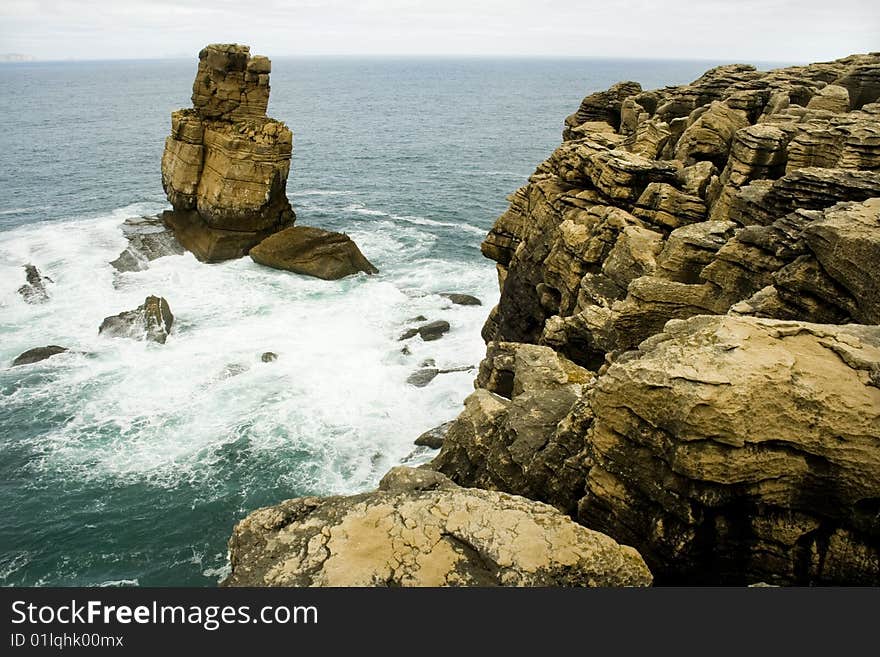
point(225, 165)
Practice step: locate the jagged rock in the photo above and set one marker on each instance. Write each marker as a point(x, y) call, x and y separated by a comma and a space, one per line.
point(419, 529)
point(461, 299)
point(737, 449)
point(758, 151)
point(269, 356)
point(710, 135)
point(601, 106)
point(665, 206)
point(433, 438)
point(690, 248)
point(813, 188)
point(37, 354)
point(832, 98)
point(313, 252)
point(148, 239)
point(509, 444)
point(34, 290)
point(151, 320)
point(225, 164)
point(609, 241)
point(846, 243)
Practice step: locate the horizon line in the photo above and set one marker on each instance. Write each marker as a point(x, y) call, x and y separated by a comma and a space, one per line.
point(38, 60)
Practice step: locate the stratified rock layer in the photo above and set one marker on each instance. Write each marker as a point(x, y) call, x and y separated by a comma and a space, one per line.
point(225, 164)
point(711, 252)
point(419, 529)
point(742, 449)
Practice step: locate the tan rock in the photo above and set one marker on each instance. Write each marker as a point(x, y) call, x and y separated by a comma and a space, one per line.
point(419, 529)
point(762, 435)
point(832, 98)
point(313, 252)
point(225, 164)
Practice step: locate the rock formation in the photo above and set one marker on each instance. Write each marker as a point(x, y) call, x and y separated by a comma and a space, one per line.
point(313, 252)
point(148, 239)
point(420, 529)
point(34, 289)
point(151, 320)
point(225, 164)
point(710, 252)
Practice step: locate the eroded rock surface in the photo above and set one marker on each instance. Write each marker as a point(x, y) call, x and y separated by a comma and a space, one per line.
point(709, 251)
point(420, 529)
point(225, 164)
point(740, 449)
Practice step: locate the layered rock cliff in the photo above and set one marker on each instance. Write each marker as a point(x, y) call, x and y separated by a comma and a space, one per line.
point(686, 354)
point(225, 164)
point(685, 358)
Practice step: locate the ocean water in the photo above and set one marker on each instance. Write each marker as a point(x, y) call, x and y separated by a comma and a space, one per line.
point(125, 463)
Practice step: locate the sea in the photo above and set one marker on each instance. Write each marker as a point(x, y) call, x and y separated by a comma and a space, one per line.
point(126, 463)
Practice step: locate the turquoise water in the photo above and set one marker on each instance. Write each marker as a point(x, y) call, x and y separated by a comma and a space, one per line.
point(129, 463)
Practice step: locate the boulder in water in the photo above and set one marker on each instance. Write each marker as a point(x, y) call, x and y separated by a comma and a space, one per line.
point(461, 299)
point(151, 320)
point(313, 252)
point(434, 330)
point(38, 354)
point(269, 356)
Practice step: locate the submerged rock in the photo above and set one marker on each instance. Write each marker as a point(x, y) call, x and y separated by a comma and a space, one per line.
point(37, 354)
point(421, 378)
point(151, 320)
point(420, 529)
point(148, 239)
point(34, 290)
point(313, 252)
point(225, 165)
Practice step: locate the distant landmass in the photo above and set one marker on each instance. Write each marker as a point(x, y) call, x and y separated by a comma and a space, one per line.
point(8, 57)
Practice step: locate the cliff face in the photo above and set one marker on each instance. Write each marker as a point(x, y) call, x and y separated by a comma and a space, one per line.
point(225, 164)
point(735, 448)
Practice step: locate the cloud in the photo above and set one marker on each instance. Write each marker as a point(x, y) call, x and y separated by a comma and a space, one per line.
point(771, 30)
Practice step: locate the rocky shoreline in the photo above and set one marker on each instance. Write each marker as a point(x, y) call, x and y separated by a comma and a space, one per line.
point(685, 358)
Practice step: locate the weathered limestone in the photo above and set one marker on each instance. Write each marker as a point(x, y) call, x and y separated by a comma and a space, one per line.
point(714, 260)
point(735, 450)
point(226, 163)
point(420, 529)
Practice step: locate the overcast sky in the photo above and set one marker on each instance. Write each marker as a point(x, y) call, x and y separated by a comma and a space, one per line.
point(752, 30)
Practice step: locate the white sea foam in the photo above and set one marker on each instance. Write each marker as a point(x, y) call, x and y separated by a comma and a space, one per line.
point(359, 208)
point(335, 404)
point(322, 192)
